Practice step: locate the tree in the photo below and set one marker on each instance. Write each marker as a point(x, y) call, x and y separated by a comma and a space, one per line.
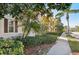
point(3, 9)
point(52, 24)
point(24, 14)
point(31, 11)
point(77, 28)
point(67, 12)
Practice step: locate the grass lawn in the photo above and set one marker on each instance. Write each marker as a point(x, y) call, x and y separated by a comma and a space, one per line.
point(74, 44)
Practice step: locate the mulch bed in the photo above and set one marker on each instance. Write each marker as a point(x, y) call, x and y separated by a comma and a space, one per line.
point(75, 53)
point(38, 50)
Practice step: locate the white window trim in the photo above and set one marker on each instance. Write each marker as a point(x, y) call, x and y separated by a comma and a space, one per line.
point(13, 26)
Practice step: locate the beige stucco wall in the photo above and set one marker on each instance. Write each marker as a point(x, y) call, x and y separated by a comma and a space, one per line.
point(32, 33)
point(19, 27)
point(1, 26)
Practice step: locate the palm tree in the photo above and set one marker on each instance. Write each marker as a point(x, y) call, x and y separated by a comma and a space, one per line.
point(67, 12)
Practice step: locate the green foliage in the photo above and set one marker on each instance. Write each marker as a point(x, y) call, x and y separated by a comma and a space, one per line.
point(59, 6)
point(28, 25)
point(40, 39)
point(3, 7)
point(54, 33)
point(75, 29)
point(67, 12)
point(11, 47)
point(60, 28)
point(30, 11)
point(35, 25)
point(54, 24)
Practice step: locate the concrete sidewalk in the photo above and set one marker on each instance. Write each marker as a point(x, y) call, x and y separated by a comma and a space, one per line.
point(61, 47)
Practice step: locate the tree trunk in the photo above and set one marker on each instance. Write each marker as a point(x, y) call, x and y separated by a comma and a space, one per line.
point(26, 33)
point(68, 28)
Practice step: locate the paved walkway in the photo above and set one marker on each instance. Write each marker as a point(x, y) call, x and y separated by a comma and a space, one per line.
point(61, 47)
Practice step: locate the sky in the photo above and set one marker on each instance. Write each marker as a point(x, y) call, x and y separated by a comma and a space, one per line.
point(73, 18)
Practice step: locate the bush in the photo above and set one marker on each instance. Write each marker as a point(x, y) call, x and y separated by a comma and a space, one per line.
point(11, 47)
point(38, 40)
point(54, 33)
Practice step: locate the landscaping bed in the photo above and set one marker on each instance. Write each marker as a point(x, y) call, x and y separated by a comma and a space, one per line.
point(75, 53)
point(40, 44)
point(38, 50)
point(39, 40)
point(11, 47)
point(74, 45)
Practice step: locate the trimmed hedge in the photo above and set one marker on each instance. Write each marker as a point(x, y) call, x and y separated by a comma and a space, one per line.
point(11, 47)
point(38, 40)
point(54, 33)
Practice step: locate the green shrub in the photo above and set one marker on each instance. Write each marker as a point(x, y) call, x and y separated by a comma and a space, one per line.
point(11, 47)
point(38, 40)
point(54, 33)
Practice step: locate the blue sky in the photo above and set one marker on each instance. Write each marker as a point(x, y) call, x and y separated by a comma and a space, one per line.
point(74, 18)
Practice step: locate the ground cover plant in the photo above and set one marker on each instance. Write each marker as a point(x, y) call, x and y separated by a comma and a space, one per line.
point(11, 47)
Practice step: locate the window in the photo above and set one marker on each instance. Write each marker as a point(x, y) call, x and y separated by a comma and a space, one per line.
point(11, 27)
point(5, 25)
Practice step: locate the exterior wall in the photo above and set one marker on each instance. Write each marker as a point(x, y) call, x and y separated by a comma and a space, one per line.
point(1, 26)
point(10, 34)
point(9, 19)
point(19, 27)
point(32, 33)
